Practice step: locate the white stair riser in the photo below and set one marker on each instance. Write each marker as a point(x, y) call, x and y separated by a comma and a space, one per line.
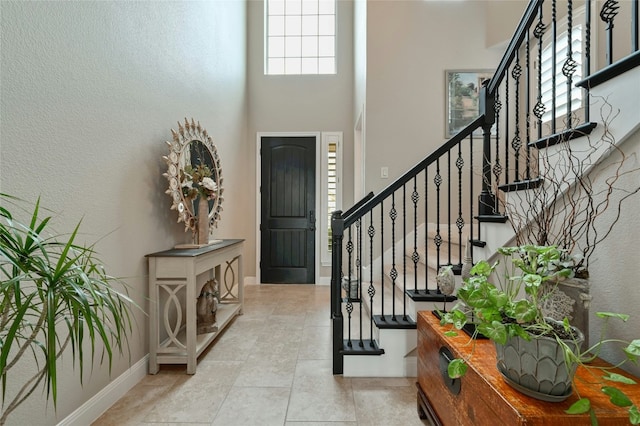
point(399, 359)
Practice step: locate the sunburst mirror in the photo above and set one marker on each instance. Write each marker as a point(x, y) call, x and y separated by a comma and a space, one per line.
point(194, 172)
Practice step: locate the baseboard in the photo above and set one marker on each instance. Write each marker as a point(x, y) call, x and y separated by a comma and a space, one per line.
point(109, 395)
point(254, 281)
point(324, 281)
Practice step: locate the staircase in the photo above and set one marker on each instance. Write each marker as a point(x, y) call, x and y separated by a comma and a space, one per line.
point(387, 249)
point(395, 310)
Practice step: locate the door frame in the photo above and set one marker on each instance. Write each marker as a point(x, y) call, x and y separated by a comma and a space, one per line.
point(318, 143)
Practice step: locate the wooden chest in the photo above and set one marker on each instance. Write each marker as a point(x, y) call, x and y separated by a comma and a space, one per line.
point(482, 397)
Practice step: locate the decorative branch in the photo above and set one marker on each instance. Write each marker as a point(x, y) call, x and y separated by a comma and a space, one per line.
point(568, 210)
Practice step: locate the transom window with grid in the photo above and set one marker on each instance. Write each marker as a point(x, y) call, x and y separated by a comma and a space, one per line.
point(300, 37)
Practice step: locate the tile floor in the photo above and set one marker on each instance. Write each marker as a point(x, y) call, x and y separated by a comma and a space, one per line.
point(271, 366)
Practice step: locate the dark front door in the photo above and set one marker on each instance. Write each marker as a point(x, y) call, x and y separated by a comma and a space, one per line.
point(287, 242)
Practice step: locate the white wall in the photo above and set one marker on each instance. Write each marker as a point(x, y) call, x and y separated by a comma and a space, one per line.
point(613, 277)
point(307, 103)
point(89, 93)
point(410, 44)
point(359, 55)
point(612, 268)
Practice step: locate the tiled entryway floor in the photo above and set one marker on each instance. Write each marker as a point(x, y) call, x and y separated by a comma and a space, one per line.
point(271, 366)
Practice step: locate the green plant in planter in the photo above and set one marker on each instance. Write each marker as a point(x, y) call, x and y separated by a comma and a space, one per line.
point(54, 295)
point(512, 310)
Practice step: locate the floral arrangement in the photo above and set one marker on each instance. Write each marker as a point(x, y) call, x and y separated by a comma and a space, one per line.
point(198, 181)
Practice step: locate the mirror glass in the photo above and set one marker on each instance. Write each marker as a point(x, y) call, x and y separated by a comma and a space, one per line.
point(194, 172)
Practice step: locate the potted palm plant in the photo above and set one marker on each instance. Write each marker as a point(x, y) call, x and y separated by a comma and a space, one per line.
point(510, 315)
point(54, 295)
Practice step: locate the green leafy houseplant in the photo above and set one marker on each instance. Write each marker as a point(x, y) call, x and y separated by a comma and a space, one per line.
point(513, 309)
point(54, 294)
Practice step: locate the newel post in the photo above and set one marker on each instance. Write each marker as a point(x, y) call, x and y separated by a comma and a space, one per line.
point(487, 200)
point(337, 232)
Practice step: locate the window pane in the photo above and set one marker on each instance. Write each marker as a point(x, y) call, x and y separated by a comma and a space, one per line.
point(292, 46)
point(309, 65)
point(293, 25)
point(326, 46)
point(293, 7)
point(310, 46)
point(276, 7)
point(292, 66)
point(309, 7)
point(327, 7)
point(310, 25)
point(275, 66)
point(326, 66)
point(276, 25)
point(276, 47)
point(326, 25)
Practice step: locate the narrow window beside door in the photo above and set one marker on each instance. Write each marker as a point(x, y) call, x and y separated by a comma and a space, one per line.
point(331, 189)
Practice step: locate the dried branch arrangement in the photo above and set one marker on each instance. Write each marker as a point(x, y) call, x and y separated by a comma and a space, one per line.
point(568, 209)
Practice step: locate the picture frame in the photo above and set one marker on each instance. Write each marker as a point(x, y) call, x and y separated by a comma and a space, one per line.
point(462, 99)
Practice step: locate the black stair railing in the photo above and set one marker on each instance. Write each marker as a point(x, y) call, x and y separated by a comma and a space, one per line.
point(387, 249)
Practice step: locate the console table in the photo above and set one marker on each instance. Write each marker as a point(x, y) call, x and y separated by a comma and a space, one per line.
point(482, 397)
point(175, 279)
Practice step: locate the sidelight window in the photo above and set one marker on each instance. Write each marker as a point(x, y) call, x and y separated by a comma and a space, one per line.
point(331, 188)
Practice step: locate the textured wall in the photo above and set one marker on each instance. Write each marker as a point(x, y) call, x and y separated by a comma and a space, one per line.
point(409, 46)
point(89, 93)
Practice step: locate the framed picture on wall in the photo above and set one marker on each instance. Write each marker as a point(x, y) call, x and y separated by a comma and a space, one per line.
point(463, 98)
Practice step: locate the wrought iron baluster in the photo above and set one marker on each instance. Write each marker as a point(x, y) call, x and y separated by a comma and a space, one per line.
point(438, 238)
point(358, 225)
point(381, 258)
point(497, 168)
point(371, 291)
point(349, 306)
point(516, 143)
point(539, 109)
point(415, 257)
point(554, 44)
point(404, 253)
point(393, 214)
point(527, 135)
point(570, 65)
point(506, 131)
point(460, 219)
point(426, 227)
point(587, 57)
point(371, 232)
point(471, 192)
point(448, 208)
point(608, 14)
